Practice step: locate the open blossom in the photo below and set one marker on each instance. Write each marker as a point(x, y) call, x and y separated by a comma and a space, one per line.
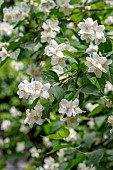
point(110, 120)
point(34, 115)
point(49, 164)
point(72, 136)
point(61, 155)
point(91, 107)
point(17, 65)
point(20, 146)
point(34, 152)
point(14, 112)
point(4, 54)
point(92, 48)
point(97, 64)
point(5, 28)
point(108, 87)
point(70, 108)
point(6, 124)
point(32, 90)
point(64, 6)
point(47, 5)
point(90, 30)
point(82, 166)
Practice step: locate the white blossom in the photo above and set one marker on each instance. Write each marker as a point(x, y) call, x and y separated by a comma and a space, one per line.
point(109, 20)
point(108, 87)
point(20, 146)
point(4, 54)
point(14, 112)
point(65, 7)
point(61, 155)
point(92, 48)
point(34, 152)
point(47, 142)
point(49, 164)
point(5, 28)
point(97, 64)
point(90, 107)
point(47, 5)
point(17, 65)
point(110, 120)
point(34, 116)
point(72, 136)
point(70, 108)
point(24, 129)
point(5, 125)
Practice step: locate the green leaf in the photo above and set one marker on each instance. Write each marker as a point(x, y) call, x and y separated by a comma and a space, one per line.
point(89, 139)
point(75, 161)
point(58, 147)
point(111, 73)
point(15, 54)
point(50, 76)
point(106, 47)
point(95, 156)
point(70, 54)
point(100, 120)
point(90, 89)
point(62, 134)
point(3, 62)
point(58, 92)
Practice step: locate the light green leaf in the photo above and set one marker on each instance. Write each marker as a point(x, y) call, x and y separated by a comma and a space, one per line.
point(90, 89)
point(15, 54)
point(100, 120)
point(58, 147)
point(89, 138)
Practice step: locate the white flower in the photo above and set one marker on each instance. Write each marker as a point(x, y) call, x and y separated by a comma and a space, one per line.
point(110, 120)
point(5, 125)
point(91, 124)
point(47, 5)
point(47, 142)
point(14, 112)
point(34, 116)
point(40, 168)
point(51, 25)
point(106, 101)
point(72, 136)
point(58, 59)
point(108, 87)
point(58, 69)
point(109, 20)
point(37, 47)
point(20, 146)
point(70, 108)
point(82, 166)
point(17, 65)
point(24, 129)
point(4, 54)
point(97, 64)
point(65, 7)
point(34, 152)
point(92, 48)
point(47, 36)
point(5, 28)
point(54, 49)
point(61, 155)
point(49, 164)
point(90, 107)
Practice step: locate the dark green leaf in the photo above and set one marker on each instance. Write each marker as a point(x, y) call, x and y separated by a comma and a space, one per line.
point(58, 92)
point(51, 76)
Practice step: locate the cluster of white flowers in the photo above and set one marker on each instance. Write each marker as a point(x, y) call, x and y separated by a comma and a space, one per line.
point(70, 108)
point(5, 29)
point(15, 14)
point(17, 65)
point(20, 146)
point(34, 152)
point(51, 29)
point(91, 31)
point(97, 64)
point(34, 115)
point(5, 125)
point(64, 6)
point(92, 48)
point(49, 164)
point(32, 90)
point(46, 6)
point(14, 112)
point(110, 120)
point(90, 107)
